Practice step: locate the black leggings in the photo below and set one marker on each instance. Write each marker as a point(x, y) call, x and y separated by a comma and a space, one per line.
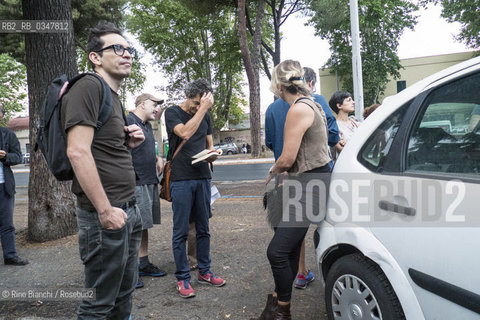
point(284, 253)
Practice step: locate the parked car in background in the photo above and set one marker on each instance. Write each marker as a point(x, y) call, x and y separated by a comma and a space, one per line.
point(400, 238)
point(228, 148)
point(26, 158)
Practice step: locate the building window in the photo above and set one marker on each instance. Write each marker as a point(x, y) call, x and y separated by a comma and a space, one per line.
point(402, 84)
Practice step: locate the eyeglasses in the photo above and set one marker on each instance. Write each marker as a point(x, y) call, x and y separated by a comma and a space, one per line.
point(119, 50)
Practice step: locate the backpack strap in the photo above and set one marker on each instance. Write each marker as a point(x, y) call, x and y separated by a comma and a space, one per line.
point(106, 107)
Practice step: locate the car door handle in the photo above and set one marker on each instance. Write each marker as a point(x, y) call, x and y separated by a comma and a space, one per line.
point(390, 206)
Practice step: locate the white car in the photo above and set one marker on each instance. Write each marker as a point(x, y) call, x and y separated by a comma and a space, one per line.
point(401, 236)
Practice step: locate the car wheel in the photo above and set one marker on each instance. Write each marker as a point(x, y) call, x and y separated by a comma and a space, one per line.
point(229, 152)
point(356, 288)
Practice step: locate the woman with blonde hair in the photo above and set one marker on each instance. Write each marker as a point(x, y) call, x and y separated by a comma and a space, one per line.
point(305, 151)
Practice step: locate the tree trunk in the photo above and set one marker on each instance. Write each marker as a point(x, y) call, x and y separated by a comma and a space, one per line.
point(51, 206)
point(251, 63)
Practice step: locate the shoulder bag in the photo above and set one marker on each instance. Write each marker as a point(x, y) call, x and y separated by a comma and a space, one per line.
point(165, 183)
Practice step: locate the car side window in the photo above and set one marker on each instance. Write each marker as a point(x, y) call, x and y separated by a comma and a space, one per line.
point(374, 152)
point(446, 136)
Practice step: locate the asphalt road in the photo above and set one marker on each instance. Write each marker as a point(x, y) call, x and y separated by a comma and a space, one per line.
point(239, 172)
point(235, 172)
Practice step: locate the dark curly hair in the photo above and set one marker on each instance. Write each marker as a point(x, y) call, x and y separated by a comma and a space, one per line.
point(197, 87)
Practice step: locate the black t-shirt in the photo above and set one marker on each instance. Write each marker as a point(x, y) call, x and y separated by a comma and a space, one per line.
point(80, 106)
point(182, 168)
point(143, 156)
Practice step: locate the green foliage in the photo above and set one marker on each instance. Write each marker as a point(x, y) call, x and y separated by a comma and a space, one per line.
point(12, 43)
point(87, 13)
point(381, 25)
point(187, 46)
point(131, 85)
point(466, 12)
point(13, 89)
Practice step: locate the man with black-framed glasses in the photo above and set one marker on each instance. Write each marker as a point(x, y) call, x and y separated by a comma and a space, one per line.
point(108, 219)
point(119, 50)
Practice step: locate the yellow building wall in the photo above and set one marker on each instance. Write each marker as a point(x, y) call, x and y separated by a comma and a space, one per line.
point(23, 139)
point(414, 69)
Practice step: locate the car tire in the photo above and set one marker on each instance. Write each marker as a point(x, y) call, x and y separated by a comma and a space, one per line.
point(356, 288)
point(229, 152)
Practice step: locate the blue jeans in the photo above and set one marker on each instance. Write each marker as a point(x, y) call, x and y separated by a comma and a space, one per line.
point(190, 197)
point(7, 230)
point(111, 266)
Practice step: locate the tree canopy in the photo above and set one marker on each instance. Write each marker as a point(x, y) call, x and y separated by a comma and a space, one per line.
point(381, 25)
point(85, 15)
point(13, 89)
point(188, 46)
point(276, 13)
point(465, 12)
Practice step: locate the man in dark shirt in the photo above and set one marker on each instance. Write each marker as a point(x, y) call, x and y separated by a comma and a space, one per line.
point(190, 184)
point(104, 182)
point(10, 155)
point(147, 166)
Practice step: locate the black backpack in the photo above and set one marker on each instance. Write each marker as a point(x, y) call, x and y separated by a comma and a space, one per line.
point(51, 139)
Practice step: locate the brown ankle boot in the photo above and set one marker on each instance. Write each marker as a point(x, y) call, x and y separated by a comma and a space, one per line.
point(283, 313)
point(270, 309)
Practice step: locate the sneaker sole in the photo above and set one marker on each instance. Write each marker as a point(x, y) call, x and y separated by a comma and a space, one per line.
point(187, 296)
point(215, 285)
point(300, 287)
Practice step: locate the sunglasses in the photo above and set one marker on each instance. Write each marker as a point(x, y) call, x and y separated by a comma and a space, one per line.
point(119, 50)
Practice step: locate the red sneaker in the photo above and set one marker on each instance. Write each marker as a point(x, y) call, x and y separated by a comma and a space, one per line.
point(185, 289)
point(210, 278)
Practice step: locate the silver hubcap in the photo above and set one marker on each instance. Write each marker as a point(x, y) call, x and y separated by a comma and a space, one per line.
point(352, 299)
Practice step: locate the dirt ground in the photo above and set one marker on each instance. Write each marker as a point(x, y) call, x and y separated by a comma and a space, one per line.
point(239, 238)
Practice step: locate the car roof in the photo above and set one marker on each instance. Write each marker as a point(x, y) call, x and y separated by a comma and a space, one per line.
point(433, 80)
point(392, 103)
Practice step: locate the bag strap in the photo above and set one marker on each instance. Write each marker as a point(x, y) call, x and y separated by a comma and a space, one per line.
point(178, 150)
point(106, 105)
point(312, 104)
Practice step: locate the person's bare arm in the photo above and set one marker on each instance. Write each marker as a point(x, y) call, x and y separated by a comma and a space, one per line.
point(160, 165)
point(299, 119)
point(135, 135)
point(339, 146)
point(185, 131)
point(79, 141)
point(210, 142)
